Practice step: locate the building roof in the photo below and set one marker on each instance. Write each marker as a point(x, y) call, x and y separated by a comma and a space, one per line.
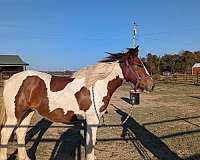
point(196, 65)
point(11, 60)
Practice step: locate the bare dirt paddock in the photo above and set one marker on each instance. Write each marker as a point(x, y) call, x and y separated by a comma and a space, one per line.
point(166, 126)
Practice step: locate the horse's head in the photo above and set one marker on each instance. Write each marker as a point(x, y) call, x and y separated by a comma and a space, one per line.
point(133, 69)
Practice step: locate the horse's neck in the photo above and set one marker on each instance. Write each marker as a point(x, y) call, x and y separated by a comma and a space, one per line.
point(108, 86)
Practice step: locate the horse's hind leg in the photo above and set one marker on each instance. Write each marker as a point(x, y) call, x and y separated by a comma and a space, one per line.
point(5, 136)
point(21, 133)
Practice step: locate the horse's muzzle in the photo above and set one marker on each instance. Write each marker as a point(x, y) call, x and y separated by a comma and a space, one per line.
point(147, 85)
point(150, 86)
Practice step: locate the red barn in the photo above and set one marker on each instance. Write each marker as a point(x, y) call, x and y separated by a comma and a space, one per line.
point(196, 69)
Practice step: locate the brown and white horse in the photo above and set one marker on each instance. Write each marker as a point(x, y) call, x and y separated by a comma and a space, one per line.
point(85, 95)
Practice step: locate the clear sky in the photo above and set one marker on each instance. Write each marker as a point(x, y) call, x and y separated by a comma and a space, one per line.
point(69, 34)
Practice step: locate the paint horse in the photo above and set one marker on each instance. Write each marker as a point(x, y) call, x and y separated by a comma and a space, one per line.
point(84, 95)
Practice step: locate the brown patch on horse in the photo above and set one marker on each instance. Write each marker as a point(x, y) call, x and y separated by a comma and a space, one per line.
point(83, 99)
point(59, 83)
point(33, 95)
point(111, 88)
point(58, 115)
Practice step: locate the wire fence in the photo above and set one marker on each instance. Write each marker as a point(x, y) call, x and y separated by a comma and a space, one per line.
point(182, 78)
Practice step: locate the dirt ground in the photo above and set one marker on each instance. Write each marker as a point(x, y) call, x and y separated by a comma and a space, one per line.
point(165, 126)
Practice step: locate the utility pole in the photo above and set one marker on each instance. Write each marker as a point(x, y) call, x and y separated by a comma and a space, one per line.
point(134, 34)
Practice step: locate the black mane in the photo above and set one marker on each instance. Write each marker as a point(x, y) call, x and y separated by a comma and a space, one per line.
point(120, 56)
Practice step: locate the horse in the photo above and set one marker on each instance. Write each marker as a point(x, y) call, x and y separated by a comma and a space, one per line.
point(84, 95)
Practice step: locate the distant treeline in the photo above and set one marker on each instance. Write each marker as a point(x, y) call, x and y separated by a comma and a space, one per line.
point(60, 73)
point(181, 62)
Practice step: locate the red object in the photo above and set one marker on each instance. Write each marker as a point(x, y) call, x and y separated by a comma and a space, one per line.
point(135, 91)
point(195, 70)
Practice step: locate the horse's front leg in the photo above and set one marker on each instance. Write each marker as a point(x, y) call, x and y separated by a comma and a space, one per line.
point(92, 123)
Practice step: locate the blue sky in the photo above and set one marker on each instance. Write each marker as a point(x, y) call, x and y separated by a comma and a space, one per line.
point(69, 34)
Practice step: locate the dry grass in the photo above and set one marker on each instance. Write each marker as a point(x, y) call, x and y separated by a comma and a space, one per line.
point(166, 125)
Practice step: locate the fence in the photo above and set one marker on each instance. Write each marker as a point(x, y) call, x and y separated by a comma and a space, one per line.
point(182, 78)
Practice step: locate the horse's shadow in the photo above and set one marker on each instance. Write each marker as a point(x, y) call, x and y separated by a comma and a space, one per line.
point(68, 146)
point(128, 100)
point(145, 140)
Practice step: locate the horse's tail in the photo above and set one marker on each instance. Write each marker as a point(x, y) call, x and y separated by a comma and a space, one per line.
point(3, 115)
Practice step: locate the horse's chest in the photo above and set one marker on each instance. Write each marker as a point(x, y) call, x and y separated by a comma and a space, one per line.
point(106, 92)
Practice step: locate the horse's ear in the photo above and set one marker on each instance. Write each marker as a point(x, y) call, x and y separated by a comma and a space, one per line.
point(133, 51)
point(137, 49)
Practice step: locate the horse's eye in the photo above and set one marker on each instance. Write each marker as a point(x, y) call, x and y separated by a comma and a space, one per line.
point(139, 65)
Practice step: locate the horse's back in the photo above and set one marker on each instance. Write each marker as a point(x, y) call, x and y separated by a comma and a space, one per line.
point(17, 79)
point(22, 75)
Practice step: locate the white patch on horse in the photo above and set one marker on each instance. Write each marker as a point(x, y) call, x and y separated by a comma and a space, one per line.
point(65, 98)
point(145, 68)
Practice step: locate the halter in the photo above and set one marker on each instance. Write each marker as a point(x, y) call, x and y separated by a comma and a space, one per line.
point(138, 78)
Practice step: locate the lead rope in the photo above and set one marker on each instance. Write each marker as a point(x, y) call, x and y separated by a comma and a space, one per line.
point(103, 124)
point(95, 108)
point(99, 118)
point(131, 109)
point(129, 114)
point(127, 117)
